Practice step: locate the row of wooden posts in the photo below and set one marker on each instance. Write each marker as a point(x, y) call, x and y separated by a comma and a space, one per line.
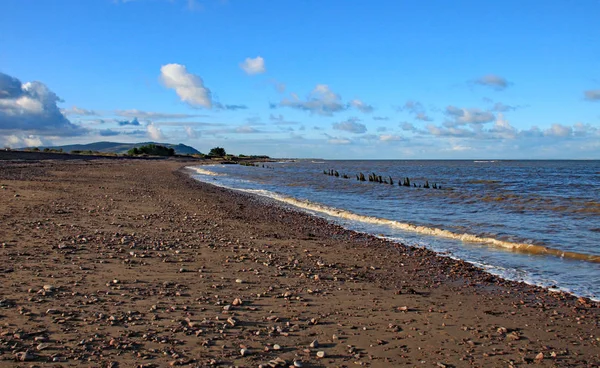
point(380, 179)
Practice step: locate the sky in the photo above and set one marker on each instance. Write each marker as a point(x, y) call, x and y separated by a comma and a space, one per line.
point(351, 79)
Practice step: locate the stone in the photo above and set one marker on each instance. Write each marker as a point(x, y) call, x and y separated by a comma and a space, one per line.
point(24, 356)
point(320, 354)
point(314, 344)
point(244, 352)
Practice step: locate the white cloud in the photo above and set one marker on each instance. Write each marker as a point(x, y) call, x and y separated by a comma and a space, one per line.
point(560, 131)
point(15, 141)
point(154, 132)
point(493, 81)
point(254, 66)
point(351, 125)
point(246, 129)
point(389, 138)
point(79, 111)
point(416, 109)
point(321, 100)
point(149, 115)
point(189, 87)
point(502, 128)
point(339, 141)
point(361, 106)
point(592, 95)
point(32, 107)
point(463, 116)
point(190, 132)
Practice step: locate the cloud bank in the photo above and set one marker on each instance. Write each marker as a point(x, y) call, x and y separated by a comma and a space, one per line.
point(32, 108)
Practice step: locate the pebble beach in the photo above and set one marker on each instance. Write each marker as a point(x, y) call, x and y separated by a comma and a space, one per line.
point(132, 263)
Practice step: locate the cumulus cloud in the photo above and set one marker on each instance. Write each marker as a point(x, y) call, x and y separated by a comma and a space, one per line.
point(154, 132)
point(16, 141)
point(189, 87)
point(416, 109)
point(361, 106)
point(351, 125)
point(493, 81)
point(149, 115)
point(32, 108)
point(321, 100)
point(462, 116)
point(559, 131)
point(500, 107)
point(79, 111)
point(133, 122)
point(592, 95)
point(254, 66)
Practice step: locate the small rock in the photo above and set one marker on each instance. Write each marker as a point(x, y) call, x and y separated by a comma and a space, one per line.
point(43, 346)
point(49, 288)
point(276, 347)
point(298, 363)
point(239, 281)
point(314, 344)
point(539, 357)
point(244, 352)
point(24, 356)
point(320, 354)
point(237, 301)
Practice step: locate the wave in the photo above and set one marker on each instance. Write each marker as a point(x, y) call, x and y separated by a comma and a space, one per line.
point(430, 231)
point(203, 171)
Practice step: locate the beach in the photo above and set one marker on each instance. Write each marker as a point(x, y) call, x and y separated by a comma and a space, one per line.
point(122, 262)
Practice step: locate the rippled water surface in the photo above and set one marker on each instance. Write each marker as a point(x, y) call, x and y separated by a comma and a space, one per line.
point(534, 221)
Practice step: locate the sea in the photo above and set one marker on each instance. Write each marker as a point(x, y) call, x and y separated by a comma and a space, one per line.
point(531, 221)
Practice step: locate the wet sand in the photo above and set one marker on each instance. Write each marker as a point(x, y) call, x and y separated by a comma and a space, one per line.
point(108, 263)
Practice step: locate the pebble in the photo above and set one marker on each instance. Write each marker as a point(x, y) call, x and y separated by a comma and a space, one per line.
point(244, 352)
point(297, 363)
point(320, 354)
point(239, 281)
point(314, 344)
point(24, 356)
point(276, 347)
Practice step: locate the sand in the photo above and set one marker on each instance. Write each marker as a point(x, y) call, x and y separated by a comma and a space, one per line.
point(131, 263)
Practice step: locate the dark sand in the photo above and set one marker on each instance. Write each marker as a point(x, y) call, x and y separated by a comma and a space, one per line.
point(108, 263)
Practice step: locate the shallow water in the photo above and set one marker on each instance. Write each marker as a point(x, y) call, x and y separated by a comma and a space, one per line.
point(533, 221)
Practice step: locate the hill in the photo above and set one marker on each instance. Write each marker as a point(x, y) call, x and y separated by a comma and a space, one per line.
point(115, 147)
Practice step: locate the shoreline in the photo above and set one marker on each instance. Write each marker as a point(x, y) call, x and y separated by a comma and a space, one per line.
point(334, 215)
point(285, 206)
point(97, 233)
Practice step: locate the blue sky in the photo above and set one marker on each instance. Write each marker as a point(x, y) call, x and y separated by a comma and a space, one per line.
point(331, 79)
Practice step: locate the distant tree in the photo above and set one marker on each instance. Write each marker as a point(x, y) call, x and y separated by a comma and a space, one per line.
point(217, 151)
point(151, 149)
